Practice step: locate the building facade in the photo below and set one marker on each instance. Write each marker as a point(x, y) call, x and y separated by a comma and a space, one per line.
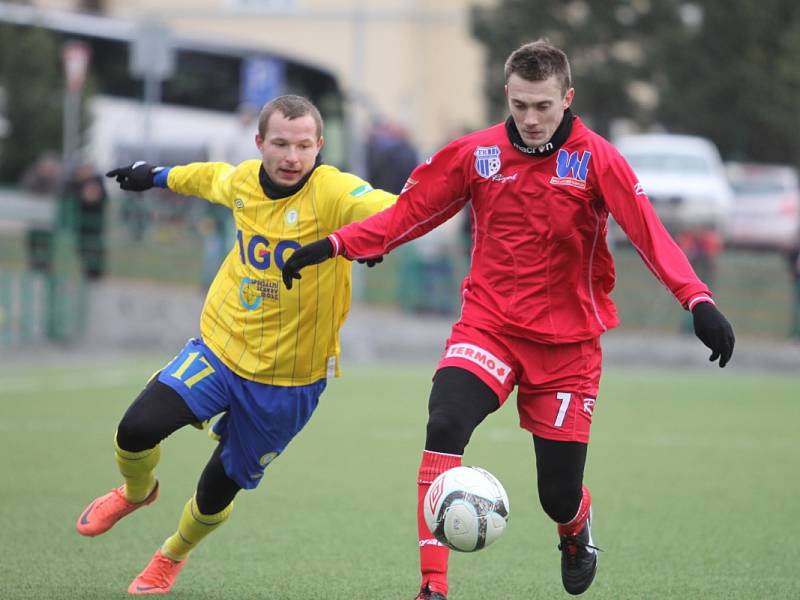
point(410, 61)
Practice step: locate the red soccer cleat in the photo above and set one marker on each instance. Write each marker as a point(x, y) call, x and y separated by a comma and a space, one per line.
point(105, 511)
point(578, 559)
point(158, 576)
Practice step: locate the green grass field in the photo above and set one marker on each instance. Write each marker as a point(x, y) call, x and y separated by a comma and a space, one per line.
point(694, 478)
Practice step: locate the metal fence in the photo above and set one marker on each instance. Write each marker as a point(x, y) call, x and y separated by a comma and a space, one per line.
point(46, 271)
point(42, 284)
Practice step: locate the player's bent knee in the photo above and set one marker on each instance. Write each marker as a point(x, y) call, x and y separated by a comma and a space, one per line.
point(215, 502)
point(560, 499)
point(447, 433)
point(156, 413)
point(135, 436)
point(213, 496)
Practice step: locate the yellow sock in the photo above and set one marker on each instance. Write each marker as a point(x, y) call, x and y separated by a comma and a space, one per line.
point(138, 469)
point(192, 528)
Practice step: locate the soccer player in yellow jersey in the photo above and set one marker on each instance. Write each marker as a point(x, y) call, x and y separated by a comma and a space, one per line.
point(264, 353)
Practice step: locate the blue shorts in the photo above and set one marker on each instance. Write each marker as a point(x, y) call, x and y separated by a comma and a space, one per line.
point(260, 419)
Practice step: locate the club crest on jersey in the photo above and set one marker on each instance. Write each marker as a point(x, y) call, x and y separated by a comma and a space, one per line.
point(571, 169)
point(487, 160)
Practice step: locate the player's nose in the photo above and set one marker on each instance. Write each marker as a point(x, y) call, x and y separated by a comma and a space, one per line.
point(292, 155)
point(531, 118)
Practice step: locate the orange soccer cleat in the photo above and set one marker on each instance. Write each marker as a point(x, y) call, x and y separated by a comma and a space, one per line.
point(158, 576)
point(106, 510)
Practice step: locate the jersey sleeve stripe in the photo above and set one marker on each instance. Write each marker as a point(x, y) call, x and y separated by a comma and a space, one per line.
point(337, 245)
point(699, 298)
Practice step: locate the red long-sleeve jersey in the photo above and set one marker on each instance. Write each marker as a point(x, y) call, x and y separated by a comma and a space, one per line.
point(540, 268)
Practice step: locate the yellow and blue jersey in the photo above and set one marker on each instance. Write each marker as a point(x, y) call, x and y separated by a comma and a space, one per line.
point(258, 328)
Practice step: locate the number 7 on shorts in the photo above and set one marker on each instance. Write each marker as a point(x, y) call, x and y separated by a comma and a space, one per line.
point(565, 398)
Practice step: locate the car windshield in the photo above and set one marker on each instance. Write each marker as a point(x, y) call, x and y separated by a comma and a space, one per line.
point(668, 163)
point(752, 187)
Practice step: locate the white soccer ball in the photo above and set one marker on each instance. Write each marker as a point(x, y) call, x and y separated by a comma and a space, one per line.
point(466, 508)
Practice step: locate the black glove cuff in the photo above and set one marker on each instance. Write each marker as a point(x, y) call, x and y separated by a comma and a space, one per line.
point(703, 307)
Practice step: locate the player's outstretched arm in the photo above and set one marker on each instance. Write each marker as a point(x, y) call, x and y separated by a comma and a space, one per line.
point(310, 254)
point(137, 177)
point(714, 330)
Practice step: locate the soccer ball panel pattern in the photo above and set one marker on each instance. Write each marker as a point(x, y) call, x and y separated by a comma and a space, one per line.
point(466, 508)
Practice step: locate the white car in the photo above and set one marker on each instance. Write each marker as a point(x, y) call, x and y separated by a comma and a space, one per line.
point(766, 206)
point(683, 176)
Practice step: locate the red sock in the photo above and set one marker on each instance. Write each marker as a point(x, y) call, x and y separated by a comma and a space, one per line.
point(576, 524)
point(432, 554)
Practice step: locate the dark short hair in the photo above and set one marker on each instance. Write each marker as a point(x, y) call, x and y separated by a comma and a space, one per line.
point(537, 61)
point(291, 107)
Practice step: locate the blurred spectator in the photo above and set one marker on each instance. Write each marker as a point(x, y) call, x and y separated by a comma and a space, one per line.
point(216, 227)
point(241, 144)
point(390, 156)
point(43, 177)
point(702, 246)
point(428, 263)
point(216, 223)
point(90, 199)
point(794, 268)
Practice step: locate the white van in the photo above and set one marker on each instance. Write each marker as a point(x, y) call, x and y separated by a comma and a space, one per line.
point(766, 207)
point(683, 176)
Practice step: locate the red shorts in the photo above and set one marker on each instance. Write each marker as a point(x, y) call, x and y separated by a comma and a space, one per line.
point(557, 383)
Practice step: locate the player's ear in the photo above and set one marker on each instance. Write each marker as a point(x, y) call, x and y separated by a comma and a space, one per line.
point(259, 142)
point(320, 143)
point(568, 98)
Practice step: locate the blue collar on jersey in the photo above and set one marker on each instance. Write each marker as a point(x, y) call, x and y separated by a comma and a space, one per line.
point(559, 137)
point(276, 192)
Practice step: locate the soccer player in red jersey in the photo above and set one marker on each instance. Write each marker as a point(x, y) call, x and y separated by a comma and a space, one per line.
point(540, 188)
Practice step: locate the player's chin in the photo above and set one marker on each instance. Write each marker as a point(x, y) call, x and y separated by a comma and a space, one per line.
point(534, 142)
point(288, 178)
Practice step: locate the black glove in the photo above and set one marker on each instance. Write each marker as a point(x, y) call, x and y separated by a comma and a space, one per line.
point(310, 254)
point(370, 262)
point(137, 177)
point(714, 331)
